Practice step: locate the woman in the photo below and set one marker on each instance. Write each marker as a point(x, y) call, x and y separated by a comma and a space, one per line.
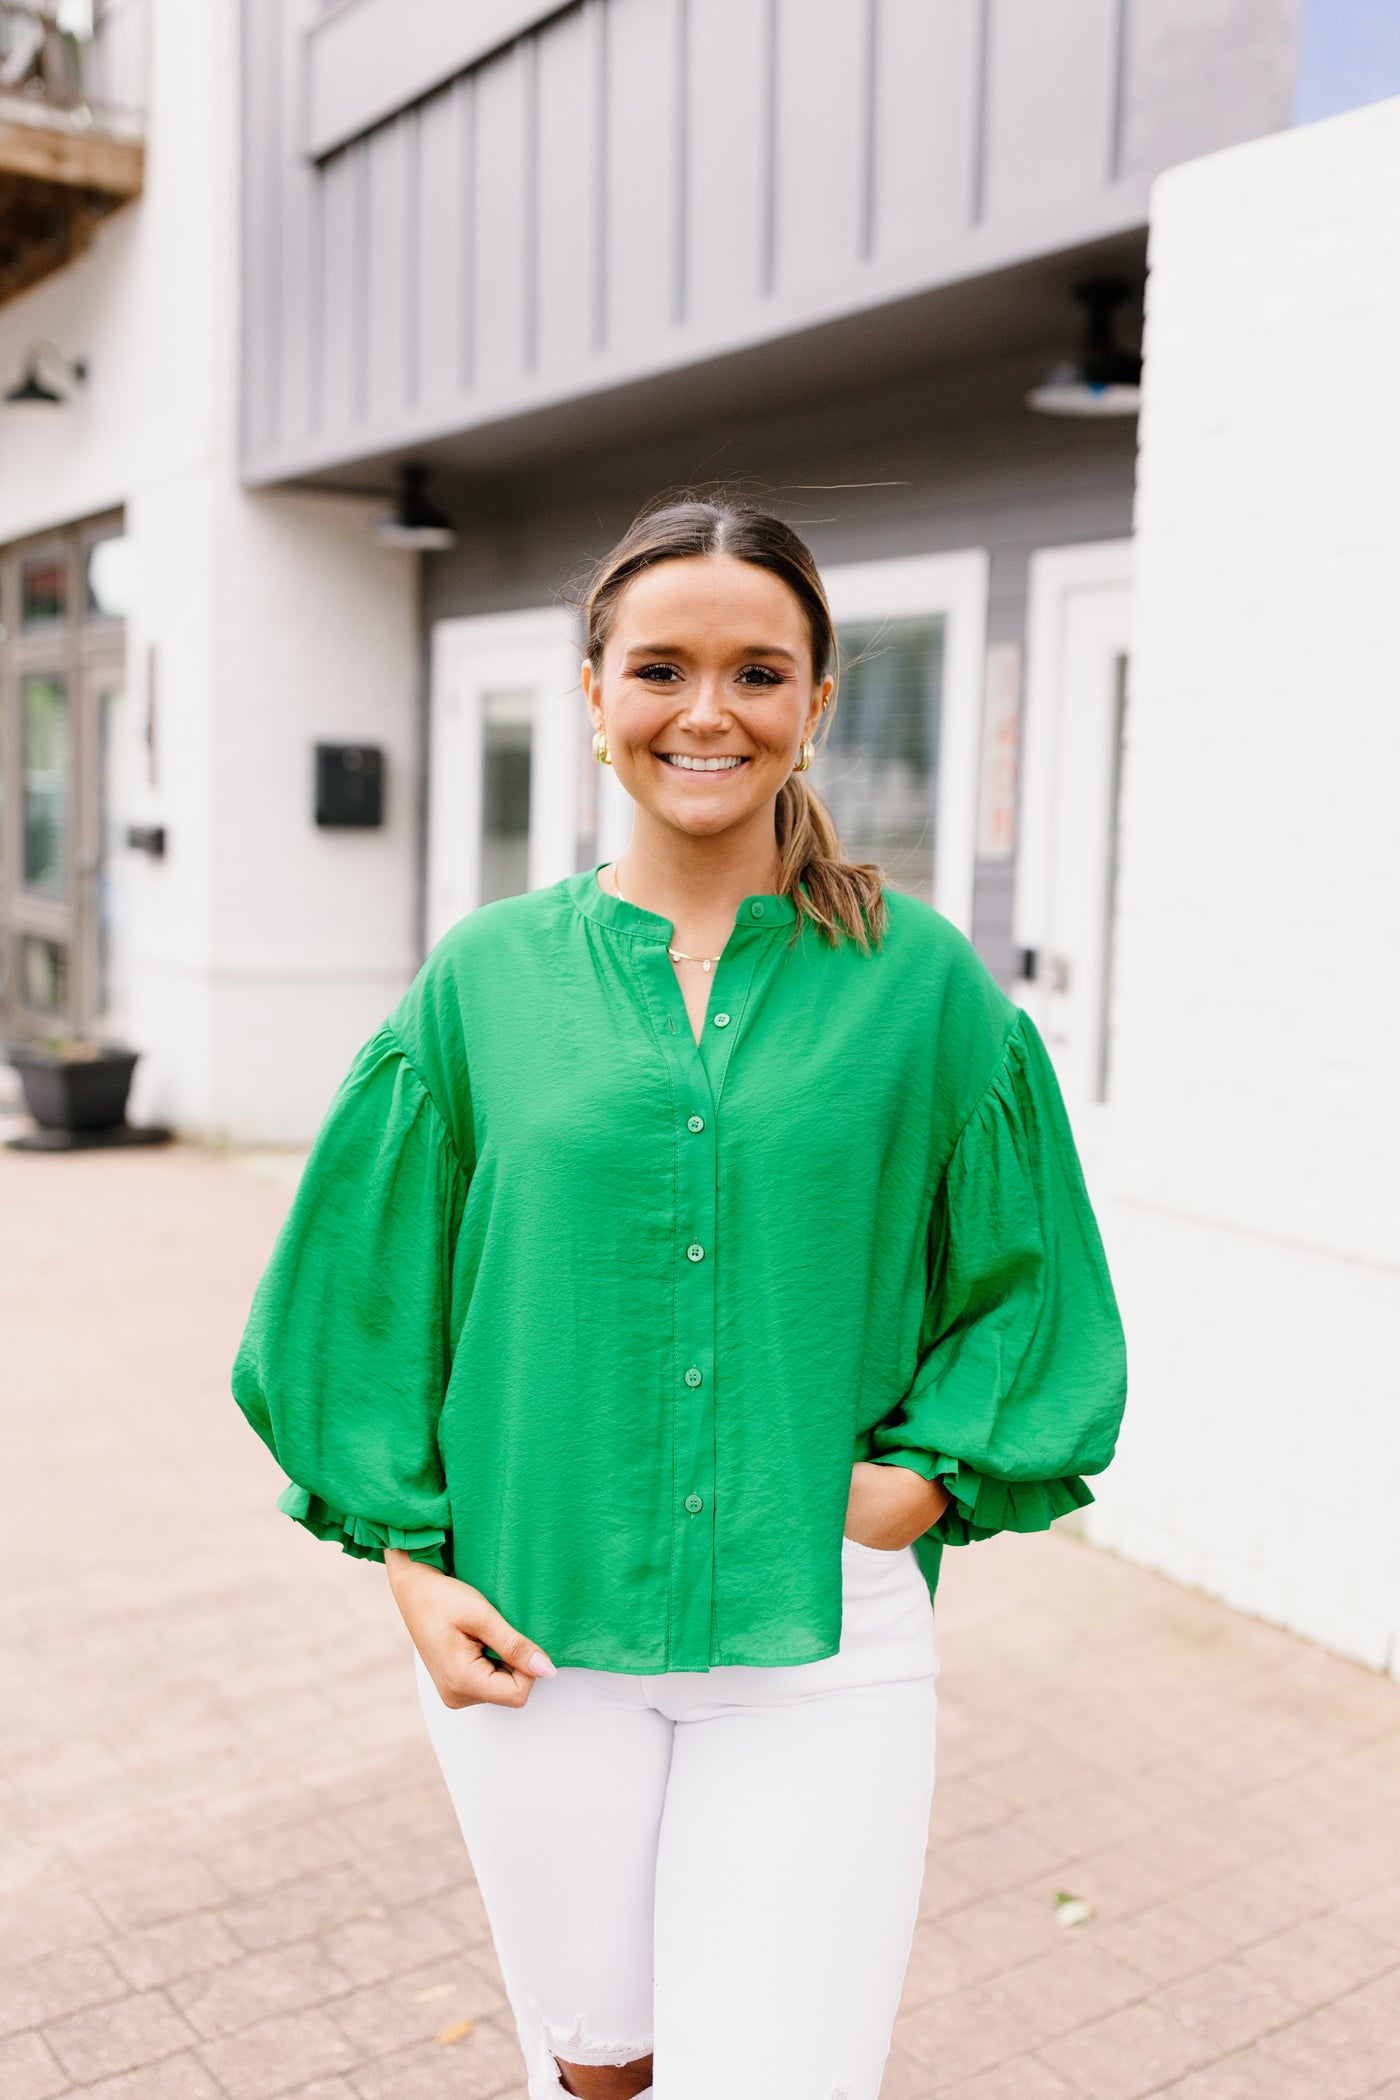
point(696, 1251)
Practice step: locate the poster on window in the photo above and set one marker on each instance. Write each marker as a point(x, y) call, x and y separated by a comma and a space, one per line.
point(1001, 739)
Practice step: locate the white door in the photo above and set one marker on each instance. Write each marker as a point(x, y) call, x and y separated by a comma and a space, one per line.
point(1067, 864)
point(508, 734)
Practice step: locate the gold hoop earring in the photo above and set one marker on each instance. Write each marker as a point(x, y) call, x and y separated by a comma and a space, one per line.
point(600, 747)
point(804, 756)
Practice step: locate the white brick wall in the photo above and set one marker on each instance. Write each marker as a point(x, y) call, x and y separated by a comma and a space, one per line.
point(1250, 1175)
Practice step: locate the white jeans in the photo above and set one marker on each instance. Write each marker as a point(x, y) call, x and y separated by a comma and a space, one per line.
point(721, 1866)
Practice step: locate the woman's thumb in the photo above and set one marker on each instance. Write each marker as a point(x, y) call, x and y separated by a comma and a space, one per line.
point(514, 1648)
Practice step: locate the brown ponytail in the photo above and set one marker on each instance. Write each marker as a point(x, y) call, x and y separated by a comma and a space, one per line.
point(839, 896)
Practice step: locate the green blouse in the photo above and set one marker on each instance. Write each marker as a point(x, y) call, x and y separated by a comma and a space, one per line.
point(598, 1319)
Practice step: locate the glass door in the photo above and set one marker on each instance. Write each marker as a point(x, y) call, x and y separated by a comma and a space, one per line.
point(61, 655)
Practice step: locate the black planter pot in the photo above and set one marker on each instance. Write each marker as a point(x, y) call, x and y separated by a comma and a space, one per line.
point(74, 1093)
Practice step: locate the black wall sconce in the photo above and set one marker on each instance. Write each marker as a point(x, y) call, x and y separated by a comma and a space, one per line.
point(33, 390)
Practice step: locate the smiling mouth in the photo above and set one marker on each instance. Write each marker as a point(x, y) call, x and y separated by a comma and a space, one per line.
point(685, 762)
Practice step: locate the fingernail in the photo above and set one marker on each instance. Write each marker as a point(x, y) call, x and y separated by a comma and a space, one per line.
point(541, 1666)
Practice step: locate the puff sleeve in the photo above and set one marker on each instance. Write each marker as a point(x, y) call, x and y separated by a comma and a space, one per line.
point(344, 1362)
point(1021, 1376)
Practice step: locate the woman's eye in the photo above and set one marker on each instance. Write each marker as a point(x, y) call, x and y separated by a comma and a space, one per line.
point(759, 674)
point(657, 674)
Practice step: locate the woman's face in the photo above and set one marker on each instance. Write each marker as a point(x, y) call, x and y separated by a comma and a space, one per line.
point(706, 690)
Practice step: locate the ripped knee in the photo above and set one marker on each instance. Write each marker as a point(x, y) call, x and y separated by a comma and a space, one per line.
point(605, 2081)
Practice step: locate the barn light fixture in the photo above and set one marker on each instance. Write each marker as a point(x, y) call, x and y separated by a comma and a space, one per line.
point(33, 390)
point(1104, 380)
point(414, 522)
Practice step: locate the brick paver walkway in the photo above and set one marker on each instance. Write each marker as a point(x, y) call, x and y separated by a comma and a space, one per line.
point(229, 1868)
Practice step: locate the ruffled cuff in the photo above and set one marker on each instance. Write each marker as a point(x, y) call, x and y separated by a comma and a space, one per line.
point(361, 1536)
point(981, 1506)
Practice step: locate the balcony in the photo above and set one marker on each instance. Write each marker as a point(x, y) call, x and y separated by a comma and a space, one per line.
point(72, 90)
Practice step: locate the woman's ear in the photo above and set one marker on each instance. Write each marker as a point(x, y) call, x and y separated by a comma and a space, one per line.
point(590, 694)
point(821, 700)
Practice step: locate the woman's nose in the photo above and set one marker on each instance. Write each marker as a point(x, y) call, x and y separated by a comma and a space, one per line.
point(705, 707)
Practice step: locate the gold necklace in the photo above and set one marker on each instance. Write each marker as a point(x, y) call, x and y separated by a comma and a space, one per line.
point(676, 954)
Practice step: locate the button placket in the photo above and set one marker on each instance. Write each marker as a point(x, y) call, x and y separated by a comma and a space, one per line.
point(697, 1075)
point(693, 1450)
point(692, 1454)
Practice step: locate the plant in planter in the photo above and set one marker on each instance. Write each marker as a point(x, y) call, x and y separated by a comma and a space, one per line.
point(76, 1091)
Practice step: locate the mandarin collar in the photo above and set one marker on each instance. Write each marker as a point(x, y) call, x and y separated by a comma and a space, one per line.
point(762, 912)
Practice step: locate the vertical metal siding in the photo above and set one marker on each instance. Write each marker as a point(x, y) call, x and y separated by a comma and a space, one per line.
point(925, 134)
point(339, 243)
point(441, 190)
point(499, 289)
point(385, 380)
point(820, 140)
point(567, 173)
point(727, 157)
point(459, 218)
point(1050, 112)
point(636, 182)
point(641, 170)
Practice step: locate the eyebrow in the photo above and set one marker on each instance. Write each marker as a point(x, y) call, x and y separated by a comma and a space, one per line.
point(675, 649)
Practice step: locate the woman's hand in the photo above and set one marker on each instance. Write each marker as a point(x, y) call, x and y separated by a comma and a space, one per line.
point(891, 1506)
point(451, 1625)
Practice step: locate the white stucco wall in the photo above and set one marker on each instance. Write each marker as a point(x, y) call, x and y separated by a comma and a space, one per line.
point(1251, 1174)
point(251, 962)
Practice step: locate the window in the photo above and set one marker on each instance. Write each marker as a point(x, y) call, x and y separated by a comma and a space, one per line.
point(877, 770)
point(507, 720)
point(47, 790)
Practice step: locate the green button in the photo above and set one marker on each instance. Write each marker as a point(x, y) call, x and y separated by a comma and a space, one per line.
point(693, 1376)
point(695, 1122)
point(695, 1503)
point(755, 910)
point(695, 1252)
point(721, 1020)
